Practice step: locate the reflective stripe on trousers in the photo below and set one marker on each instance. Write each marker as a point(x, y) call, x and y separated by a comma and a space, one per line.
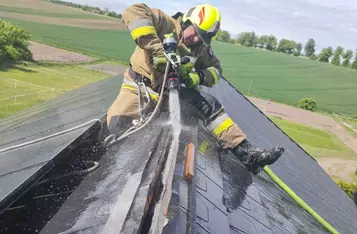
point(220, 124)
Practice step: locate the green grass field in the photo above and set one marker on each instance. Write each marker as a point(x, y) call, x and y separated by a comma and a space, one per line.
point(316, 142)
point(39, 12)
point(106, 44)
point(273, 76)
point(288, 79)
point(24, 86)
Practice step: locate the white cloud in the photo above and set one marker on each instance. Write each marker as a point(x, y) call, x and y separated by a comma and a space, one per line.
point(352, 29)
point(296, 13)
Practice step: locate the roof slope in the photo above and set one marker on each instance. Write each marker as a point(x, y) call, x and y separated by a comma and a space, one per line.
point(225, 198)
point(20, 167)
point(296, 168)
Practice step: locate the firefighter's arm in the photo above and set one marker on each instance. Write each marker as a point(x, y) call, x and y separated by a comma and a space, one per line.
point(139, 21)
point(209, 69)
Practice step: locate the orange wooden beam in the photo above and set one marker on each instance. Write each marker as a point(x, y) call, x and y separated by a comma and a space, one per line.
point(190, 162)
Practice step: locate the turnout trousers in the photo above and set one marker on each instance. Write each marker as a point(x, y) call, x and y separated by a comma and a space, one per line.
point(126, 108)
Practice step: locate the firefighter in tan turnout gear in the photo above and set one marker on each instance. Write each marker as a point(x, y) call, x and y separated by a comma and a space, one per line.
point(194, 31)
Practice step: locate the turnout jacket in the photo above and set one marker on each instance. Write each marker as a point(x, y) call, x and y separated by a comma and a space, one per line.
point(147, 27)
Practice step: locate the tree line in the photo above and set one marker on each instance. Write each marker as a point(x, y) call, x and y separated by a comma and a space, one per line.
point(92, 9)
point(338, 57)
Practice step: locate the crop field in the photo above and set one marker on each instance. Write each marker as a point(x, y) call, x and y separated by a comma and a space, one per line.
point(54, 13)
point(46, 8)
point(25, 86)
point(42, 5)
point(109, 44)
point(288, 79)
point(42, 11)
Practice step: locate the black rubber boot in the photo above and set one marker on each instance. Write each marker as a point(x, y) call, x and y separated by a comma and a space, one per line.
point(254, 159)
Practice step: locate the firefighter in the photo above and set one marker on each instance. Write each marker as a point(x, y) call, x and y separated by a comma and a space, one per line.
point(194, 31)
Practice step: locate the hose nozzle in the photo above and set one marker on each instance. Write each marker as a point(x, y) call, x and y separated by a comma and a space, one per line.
point(173, 81)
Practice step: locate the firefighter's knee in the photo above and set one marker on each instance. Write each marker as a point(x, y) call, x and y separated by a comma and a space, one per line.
point(211, 107)
point(206, 104)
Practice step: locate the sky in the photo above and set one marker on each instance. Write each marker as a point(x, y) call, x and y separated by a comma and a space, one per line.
point(329, 22)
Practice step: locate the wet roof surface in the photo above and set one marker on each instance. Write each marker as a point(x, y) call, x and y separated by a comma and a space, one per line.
point(23, 165)
point(103, 199)
point(224, 197)
point(296, 168)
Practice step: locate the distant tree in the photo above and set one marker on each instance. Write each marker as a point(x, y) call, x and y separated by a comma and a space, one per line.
point(298, 48)
point(325, 55)
point(354, 64)
point(224, 36)
point(336, 60)
point(96, 10)
point(282, 45)
point(286, 46)
point(310, 48)
point(262, 41)
point(290, 46)
point(254, 39)
point(272, 43)
point(14, 43)
point(112, 14)
point(308, 104)
point(248, 39)
point(347, 57)
point(85, 8)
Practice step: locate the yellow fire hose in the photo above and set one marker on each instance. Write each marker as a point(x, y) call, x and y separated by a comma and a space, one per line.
point(303, 204)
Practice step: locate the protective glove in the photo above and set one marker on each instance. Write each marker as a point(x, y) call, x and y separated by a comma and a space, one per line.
point(188, 63)
point(183, 72)
point(192, 80)
point(159, 63)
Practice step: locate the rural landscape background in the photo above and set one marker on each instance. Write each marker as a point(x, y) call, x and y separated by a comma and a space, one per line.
point(313, 101)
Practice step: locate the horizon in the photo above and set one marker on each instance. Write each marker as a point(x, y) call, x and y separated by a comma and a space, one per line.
point(326, 21)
